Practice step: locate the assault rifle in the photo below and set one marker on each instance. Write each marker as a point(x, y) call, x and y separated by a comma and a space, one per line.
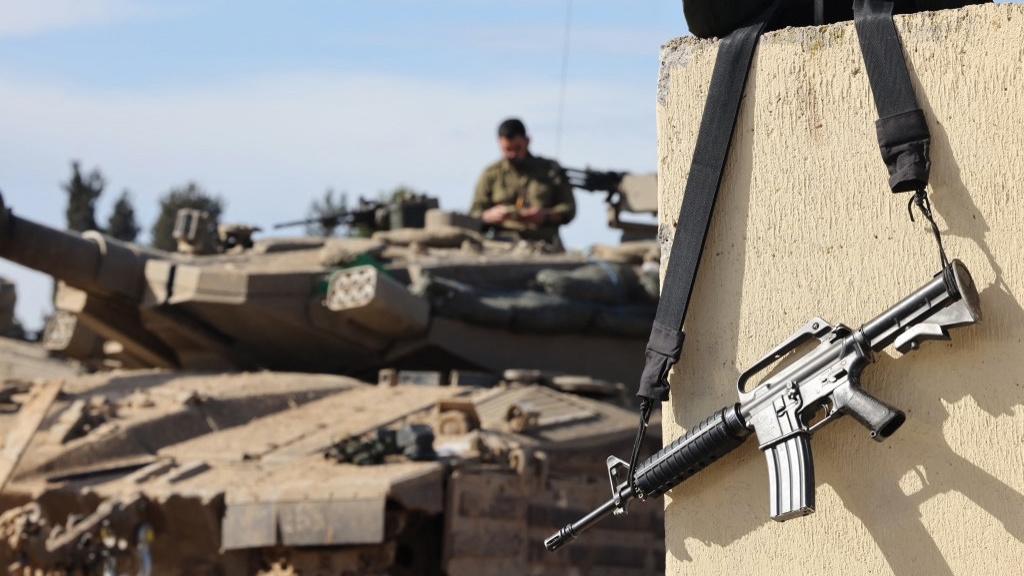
point(782, 408)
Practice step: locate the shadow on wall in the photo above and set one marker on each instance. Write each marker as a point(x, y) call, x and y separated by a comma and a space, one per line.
point(904, 487)
point(921, 464)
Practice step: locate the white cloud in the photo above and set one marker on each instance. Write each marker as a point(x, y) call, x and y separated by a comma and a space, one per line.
point(25, 18)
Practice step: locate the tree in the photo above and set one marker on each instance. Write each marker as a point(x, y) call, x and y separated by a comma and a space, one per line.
point(121, 224)
point(326, 211)
point(402, 192)
point(82, 194)
point(189, 196)
point(329, 212)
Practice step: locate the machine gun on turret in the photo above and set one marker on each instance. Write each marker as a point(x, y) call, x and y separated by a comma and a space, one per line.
point(366, 213)
point(631, 193)
point(372, 216)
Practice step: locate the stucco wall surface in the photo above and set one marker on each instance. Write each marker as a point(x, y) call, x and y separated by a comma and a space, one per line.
point(805, 225)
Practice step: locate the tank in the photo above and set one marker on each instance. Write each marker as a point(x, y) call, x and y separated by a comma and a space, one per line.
point(426, 400)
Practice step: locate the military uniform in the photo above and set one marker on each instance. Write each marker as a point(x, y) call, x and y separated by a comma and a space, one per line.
point(538, 182)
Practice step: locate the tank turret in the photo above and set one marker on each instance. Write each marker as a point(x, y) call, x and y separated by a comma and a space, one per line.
point(429, 292)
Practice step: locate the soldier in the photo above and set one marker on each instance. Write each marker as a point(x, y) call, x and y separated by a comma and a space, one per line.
point(523, 193)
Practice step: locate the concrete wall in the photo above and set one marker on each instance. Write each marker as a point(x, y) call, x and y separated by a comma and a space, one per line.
point(804, 226)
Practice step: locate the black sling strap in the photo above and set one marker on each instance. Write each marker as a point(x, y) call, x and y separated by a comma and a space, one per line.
point(902, 132)
point(903, 139)
point(735, 53)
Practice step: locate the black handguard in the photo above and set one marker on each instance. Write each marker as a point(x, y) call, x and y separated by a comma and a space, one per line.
point(703, 444)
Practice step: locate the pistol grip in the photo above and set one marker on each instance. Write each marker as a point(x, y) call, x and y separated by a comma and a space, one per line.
point(791, 477)
point(879, 418)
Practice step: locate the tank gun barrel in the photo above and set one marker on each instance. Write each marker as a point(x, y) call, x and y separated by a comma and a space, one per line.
point(329, 220)
point(89, 261)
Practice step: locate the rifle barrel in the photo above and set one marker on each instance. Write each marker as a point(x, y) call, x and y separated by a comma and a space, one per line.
point(572, 531)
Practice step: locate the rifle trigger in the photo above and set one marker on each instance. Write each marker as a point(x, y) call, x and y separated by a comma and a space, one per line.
point(830, 414)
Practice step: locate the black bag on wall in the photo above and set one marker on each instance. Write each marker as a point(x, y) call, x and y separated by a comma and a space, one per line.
point(716, 18)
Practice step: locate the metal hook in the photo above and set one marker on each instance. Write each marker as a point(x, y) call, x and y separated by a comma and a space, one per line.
point(920, 199)
point(646, 407)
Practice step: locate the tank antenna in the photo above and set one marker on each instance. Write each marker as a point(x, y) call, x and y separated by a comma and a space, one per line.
point(565, 71)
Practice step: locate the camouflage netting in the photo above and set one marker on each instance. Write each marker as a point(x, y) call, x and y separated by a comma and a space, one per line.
point(602, 298)
point(601, 283)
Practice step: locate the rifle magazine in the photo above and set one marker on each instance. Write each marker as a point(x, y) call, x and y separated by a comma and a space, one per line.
point(791, 477)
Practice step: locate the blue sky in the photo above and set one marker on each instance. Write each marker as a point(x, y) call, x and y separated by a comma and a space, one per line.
point(269, 103)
